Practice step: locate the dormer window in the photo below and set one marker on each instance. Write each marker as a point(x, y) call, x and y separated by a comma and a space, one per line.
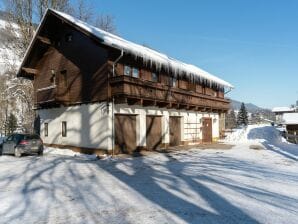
point(135, 73)
point(127, 70)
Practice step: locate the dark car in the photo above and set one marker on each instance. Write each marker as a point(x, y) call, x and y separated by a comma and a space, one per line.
point(18, 144)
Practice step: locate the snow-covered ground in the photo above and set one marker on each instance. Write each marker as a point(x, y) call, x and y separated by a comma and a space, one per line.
point(240, 185)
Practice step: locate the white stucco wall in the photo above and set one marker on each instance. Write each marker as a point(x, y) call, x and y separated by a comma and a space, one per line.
point(91, 125)
point(87, 126)
point(190, 120)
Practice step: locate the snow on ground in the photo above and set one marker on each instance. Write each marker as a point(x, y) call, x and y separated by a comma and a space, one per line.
point(240, 185)
point(68, 152)
point(265, 135)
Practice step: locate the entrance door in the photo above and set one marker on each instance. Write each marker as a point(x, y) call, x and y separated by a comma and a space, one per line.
point(153, 132)
point(125, 133)
point(175, 131)
point(207, 130)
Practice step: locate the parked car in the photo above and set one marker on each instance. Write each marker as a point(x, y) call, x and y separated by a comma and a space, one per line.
point(18, 144)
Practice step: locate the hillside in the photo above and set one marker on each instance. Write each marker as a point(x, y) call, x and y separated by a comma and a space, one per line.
point(252, 108)
point(7, 56)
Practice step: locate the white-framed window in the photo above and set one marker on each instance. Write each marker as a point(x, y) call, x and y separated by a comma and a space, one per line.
point(127, 70)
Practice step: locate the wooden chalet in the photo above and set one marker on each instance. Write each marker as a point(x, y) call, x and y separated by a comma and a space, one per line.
point(95, 91)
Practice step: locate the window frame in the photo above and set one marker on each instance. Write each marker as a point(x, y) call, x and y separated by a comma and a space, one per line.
point(157, 77)
point(64, 129)
point(46, 129)
point(133, 70)
point(174, 82)
point(124, 70)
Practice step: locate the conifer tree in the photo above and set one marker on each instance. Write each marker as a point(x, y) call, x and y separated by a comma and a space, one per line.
point(242, 118)
point(231, 121)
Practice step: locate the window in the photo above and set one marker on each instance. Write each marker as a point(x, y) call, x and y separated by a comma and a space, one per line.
point(135, 73)
point(64, 129)
point(154, 77)
point(46, 129)
point(127, 70)
point(174, 82)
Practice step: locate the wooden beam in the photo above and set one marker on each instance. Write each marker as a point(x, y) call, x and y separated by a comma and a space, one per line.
point(30, 70)
point(44, 40)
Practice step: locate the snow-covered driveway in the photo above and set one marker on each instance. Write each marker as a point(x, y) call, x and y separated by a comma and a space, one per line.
point(240, 185)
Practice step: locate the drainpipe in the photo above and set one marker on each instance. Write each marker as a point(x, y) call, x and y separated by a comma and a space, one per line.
point(113, 106)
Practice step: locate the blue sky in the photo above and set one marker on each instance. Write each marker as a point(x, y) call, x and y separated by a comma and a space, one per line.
point(253, 44)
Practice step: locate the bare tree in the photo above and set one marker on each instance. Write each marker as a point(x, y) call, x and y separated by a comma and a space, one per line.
point(61, 5)
point(84, 11)
point(22, 17)
point(106, 22)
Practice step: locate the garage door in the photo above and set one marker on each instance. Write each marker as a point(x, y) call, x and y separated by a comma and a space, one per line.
point(175, 131)
point(207, 130)
point(125, 133)
point(153, 132)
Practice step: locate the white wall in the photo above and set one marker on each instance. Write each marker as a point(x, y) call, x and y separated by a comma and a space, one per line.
point(190, 119)
point(87, 126)
point(91, 125)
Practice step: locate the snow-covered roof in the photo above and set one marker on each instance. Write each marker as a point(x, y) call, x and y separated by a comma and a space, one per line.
point(290, 118)
point(283, 109)
point(149, 56)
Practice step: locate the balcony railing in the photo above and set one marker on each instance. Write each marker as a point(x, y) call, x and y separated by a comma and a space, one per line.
point(49, 96)
point(45, 95)
point(133, 88)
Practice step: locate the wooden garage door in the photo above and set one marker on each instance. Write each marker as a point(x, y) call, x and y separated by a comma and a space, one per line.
point(175, 131)
point(207, 129)
point(125, 133)
point(153, 132)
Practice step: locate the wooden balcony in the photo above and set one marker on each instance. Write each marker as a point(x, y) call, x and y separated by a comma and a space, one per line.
point(131, 90)
point(49, 96)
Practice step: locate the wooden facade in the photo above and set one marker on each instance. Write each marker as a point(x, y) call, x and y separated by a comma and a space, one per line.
point(151, 106)
point(70, 66)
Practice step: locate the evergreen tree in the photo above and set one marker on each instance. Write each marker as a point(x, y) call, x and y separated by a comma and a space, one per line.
point(11, 124)
point(242, 118)
point(231, 121)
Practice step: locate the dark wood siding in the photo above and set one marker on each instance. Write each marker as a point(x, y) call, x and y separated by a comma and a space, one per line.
point(175, 131)
point(82, 59)
point(125, 133)
point(183, 84)
point(207, 130)
point(153, 132)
